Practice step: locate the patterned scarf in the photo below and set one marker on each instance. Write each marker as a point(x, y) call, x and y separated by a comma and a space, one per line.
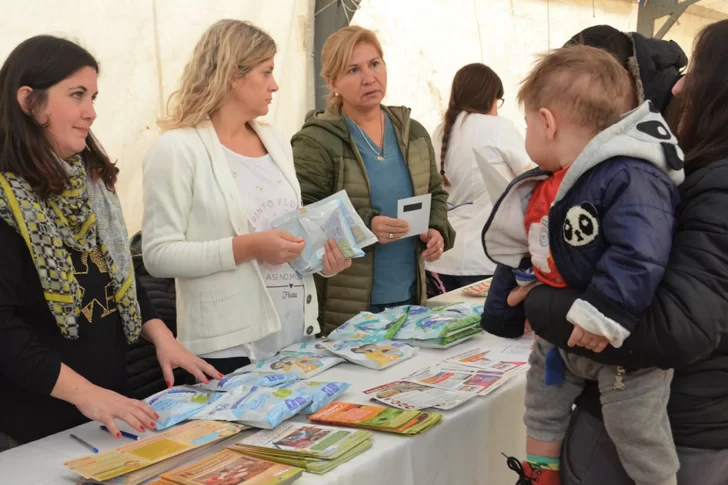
point(83, 217)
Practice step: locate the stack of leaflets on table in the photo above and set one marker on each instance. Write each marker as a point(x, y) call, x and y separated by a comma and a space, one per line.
point(376, 418)
point(478, 290)
point(440, 327)
point(230, 467)
point(489, 361)
point(301, 364)
point(454, 377)
point(410, 395)
point(371, 352)
point(317, 449)
point(383, 326)
point(143, 475)
point(132, 457)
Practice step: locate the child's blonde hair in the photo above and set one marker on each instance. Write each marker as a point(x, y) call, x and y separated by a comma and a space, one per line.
point(586, 84)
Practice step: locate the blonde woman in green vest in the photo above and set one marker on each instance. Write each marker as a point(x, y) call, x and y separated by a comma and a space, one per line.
point(379, 156)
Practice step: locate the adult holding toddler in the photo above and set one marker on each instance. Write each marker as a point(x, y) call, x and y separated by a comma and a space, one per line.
point(600, 218)
point(685, 325)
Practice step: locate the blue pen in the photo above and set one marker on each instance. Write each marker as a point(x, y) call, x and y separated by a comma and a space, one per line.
point(123, 433)
point(85, 444)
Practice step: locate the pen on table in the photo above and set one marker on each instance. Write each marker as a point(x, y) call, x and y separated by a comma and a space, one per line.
point(123, 433)
point(85, 444)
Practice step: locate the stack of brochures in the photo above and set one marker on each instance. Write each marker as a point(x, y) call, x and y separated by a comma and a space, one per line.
point(316, 449)
point(141, 460)
point(230, 467)
point(376, 418)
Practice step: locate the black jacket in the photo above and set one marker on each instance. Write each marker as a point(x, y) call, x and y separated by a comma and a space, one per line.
point(143, 371)
point(32, 348)
point(660, 66)
point(684, 326)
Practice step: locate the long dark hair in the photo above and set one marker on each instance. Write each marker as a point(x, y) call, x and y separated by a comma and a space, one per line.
point(475, 89)
point(40, 63)
point(702, 107)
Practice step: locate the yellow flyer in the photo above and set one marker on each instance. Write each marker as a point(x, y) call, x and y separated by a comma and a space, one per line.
point(140, 454)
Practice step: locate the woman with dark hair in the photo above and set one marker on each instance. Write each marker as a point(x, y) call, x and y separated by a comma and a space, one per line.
point(655, 64)
point(471, 125)
point(683, 327)
point(68, 298)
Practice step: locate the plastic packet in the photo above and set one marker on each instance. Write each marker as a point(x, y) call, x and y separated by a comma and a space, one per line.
point(259, 407)
point(301, 364)
point(322, 393)
point(177, 404)
point(310, 346)
point(248, 378)
point(331, 218)
point(372, 353)
point(439, 322)
point(383, 326)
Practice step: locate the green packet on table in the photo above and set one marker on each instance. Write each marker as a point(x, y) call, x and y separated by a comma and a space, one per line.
point(435, 323)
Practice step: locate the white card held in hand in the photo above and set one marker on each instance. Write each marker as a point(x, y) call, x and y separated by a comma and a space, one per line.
point(416, 211)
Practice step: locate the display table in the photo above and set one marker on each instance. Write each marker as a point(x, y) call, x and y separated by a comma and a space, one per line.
point(464, 449)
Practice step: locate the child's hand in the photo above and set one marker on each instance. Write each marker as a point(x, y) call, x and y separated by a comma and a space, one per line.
point(582, 338)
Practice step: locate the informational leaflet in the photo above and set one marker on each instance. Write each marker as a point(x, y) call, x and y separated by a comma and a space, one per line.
point(485, 360)
point(453, 377)
point(230, 467)
point(306, 439)
point(413, 396)
point(139, 454)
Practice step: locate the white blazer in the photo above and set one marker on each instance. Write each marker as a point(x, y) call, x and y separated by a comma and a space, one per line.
point(192, 212)
point(496, 140)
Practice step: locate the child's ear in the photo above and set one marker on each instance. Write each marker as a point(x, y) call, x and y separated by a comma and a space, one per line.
point(549, 121)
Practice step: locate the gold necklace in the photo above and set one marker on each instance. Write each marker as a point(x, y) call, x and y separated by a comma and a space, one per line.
point(379, 153)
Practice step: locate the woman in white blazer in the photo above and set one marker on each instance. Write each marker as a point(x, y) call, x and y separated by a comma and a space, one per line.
point(213, 184)
point(472, 136)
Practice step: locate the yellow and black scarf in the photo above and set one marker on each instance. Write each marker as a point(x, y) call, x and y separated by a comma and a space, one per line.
point(84, 216)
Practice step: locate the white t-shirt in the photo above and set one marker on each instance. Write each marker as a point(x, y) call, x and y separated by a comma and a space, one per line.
point(267, 195)
point(498, 141)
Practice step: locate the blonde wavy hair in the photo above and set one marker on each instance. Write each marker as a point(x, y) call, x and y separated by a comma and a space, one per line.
point(336, 53)
point(228, 50)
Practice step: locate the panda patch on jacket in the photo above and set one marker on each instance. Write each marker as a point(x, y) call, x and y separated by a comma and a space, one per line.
point(581, 225)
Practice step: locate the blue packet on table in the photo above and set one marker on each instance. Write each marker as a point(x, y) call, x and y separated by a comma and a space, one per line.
point(248, 378)
point(177, 404)
point(372, 353)
point(259, 407)
point(383, 326)
point(322, 393)
point(310, 346)
point(304, 365)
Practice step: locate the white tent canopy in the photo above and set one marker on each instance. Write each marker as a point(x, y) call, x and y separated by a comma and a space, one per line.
point(142, 46)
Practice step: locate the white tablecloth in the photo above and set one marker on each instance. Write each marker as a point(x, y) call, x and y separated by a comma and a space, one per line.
point(464, 449)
